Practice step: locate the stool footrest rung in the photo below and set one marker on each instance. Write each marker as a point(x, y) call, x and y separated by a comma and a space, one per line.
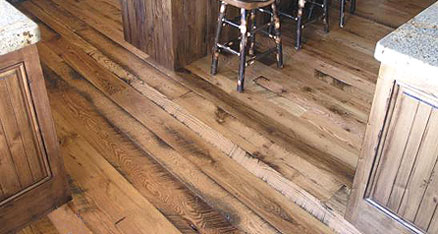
point(266, 11)
point(260, 55)
point(231, 23)
point(228, 49)
point(311, 21)
point(266, 33)
point(261, 28)
point(316, 4)
point(288, 16)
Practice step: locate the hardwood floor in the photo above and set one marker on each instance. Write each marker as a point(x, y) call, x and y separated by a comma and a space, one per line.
point(149, 150)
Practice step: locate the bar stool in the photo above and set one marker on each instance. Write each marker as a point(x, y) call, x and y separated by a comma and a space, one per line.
point(301, 22)
point(342, 11)
point(246, 6)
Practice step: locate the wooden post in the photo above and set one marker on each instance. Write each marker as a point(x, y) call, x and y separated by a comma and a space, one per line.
point(173, 32)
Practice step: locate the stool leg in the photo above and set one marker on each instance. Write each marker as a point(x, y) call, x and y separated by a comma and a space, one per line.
point(277, 37)
point(301, 4)
point(342, 14)
point(326, 16)
point(309, 16)
point(243, 32)
point(353, 6)
point(215, 52)
point(252, 37)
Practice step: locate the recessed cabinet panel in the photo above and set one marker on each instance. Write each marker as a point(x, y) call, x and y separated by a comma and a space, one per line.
point(23, 160)
point(403, 181)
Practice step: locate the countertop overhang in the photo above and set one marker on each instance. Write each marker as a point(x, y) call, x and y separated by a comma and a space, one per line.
point(415, 43)
point(16, 30)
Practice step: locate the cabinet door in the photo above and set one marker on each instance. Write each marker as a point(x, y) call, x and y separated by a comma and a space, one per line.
point(31, 177)
point(399, 189)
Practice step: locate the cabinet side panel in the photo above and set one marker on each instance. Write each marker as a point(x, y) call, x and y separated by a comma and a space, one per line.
point(404, 184)
point(394, 145)
point(409, 156)
point(421, 173)
point(23, 156)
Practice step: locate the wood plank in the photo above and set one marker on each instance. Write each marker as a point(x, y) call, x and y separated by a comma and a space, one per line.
point(66, 221)
point(42, 226)
point(24, 111)
point(409, 156)
point(127, 210)
point(106, 9)
point(69, 12)
point(421, 172)
point(433, 226)
point(136, 67)
point(390, 13)
point(9, 179)
point(13, 136)
point(395, 143)
point(428, 204)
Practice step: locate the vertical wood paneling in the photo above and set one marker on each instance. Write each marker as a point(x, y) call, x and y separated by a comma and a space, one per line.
point(23, 114)
point(8, 175)
point(394, 147)
point(410, 154)
point(429, 202)
point(13, 135)
point(420, 175)
point(22, 158)
point(433, 226)
point(403, 179)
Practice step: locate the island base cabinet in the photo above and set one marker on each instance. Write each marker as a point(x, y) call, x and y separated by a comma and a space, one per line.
point(32, 178)
point(396, 184)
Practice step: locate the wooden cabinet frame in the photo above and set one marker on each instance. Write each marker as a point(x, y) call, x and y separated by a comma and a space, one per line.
point(51, 191)
point(365, 210)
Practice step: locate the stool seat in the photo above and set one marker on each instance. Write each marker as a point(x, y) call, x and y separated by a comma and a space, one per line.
point(249, 4)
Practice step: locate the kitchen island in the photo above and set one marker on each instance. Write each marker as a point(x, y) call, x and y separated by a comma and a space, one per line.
point(396, 183)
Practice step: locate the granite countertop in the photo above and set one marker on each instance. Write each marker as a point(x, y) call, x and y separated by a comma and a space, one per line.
point(414, 43)
point(16, 30)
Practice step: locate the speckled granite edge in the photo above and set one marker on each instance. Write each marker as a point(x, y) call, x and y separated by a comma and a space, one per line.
point(415, 43)
point(16, 30)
